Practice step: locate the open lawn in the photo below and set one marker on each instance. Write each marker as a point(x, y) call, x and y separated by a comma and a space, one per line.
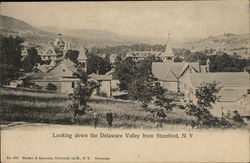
point(44, 107)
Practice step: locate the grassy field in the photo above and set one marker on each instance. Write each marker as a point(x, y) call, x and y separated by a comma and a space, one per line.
point(43, 107)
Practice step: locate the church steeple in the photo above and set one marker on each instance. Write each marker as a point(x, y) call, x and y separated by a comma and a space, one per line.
point(168, 54)
point(82, 58)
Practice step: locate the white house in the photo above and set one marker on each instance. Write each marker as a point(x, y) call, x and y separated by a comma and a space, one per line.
point(234, 91)
point(170, 74)
point(63, 74)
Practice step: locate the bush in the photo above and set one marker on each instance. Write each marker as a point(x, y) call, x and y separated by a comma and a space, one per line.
point(103, 94)
point(51, 87)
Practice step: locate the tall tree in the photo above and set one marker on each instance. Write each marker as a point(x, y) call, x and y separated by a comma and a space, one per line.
point(206, 95)
point(10, 58)
point(31, 59)
point(124, 72)
point(96, 64)
point(72, 55)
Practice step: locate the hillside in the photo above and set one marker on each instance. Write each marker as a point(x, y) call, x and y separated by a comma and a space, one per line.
point(86, 37)
point(228, 42)
point(11, 26)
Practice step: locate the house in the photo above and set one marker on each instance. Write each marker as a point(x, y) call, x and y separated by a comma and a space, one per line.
point(233, 93)
point(62, 74)
point(104, 83)
point(170, 74)
point(107, 85)
point(141, 55)
point(167, 55)
point(55, 50)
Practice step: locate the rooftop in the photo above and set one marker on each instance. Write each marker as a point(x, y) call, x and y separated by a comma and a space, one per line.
point(231, 79)
point(161, 70)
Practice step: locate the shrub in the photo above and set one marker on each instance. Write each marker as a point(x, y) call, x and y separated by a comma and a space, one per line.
point(206, 95)
point(103, 94)
point(51, 87)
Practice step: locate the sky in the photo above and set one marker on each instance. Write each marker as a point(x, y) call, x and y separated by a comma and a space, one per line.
point(192, 19)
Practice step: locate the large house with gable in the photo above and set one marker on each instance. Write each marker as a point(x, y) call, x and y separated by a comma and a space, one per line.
point(234, 91)
point(171, 74)
point(167, 55)
point(61, 72)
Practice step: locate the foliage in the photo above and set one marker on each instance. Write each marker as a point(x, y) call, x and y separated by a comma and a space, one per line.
point(81, 74)
point(103, 94)
point(138, 80)
point(161, 97)
point(124, 72)
point(221, 62)
point(72, 55)
point(82, 93)
point(96, 64)
point(178, 59)
point(31, 59)
point(206, 95)
point(51, 87)
point(10, 58)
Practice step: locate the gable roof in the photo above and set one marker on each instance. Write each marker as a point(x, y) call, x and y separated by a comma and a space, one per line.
point(42, 68)
point(169, 76)
point(161, 69)
point(231, 79)
point(231, 95)
point(168, 51)
point(68, 63)
point(49, 50)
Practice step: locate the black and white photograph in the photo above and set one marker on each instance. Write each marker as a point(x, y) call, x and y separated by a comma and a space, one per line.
point(125, 81)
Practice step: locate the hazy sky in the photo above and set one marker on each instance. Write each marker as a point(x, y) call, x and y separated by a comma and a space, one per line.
point(152, 19)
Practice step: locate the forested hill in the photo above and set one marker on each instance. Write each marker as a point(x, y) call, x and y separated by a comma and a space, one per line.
point(86, 37)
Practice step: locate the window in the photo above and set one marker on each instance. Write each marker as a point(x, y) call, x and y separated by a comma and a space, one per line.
point(73, 85)
point(63, 70)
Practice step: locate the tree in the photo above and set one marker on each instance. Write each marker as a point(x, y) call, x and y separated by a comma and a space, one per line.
point(162, 98)
point(124, 72)
point(137, 79)
point(80, 97)
point(10, 58)
point(142, 82)
point(31, 59)
point(221, 62)
point(206, 95)
point(72, 55)
point(96, 64)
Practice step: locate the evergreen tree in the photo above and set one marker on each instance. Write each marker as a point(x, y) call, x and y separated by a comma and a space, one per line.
point(10, 58)
point(31, 59)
